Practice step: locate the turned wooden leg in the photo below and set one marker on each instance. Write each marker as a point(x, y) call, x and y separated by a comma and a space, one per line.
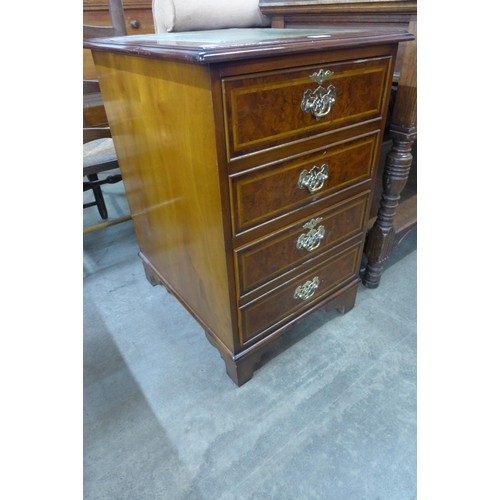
point(403, 131)
point(380, 238)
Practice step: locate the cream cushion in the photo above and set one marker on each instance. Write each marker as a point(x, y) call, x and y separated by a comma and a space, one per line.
point(192, 15)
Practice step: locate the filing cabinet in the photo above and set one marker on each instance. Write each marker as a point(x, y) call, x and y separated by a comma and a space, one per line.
point(248, 158)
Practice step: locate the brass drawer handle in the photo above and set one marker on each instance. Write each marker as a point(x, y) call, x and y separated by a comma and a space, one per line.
point(312, 239)
point(314, 179)
point(319, 103)
point(306, 290)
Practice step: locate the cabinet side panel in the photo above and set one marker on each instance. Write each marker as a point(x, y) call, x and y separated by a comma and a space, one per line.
point(161, 118)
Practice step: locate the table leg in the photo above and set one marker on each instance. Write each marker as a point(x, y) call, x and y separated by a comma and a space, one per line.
point(403, 131)
point(380, 240)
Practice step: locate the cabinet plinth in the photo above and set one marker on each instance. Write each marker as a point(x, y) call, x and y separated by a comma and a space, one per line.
point(248, 158)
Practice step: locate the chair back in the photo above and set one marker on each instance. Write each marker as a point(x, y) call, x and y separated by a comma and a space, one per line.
point(99, 154)
point(118, 26)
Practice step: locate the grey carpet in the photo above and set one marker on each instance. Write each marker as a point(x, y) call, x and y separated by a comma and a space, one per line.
point(330, 414)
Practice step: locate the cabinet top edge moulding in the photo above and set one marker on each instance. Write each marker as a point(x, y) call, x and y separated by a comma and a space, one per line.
point(232, 153)
point(242, 43)
point(359, 5)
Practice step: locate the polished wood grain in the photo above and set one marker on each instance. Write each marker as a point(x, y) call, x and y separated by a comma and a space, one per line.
point(94, 114)
point(386, 15)
point(220, 232)
point(137, 18)
point(272, 259)
point(171, 177)
point(264, 110)
point(112, 24)
point(96, 160)
point(386, 232)
point(263, 194)
point(275, 6)
point(213, 46)
point(262, 316)
point(398, 208)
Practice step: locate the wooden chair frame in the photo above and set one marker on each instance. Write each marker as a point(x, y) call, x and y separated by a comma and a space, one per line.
point(118, 28)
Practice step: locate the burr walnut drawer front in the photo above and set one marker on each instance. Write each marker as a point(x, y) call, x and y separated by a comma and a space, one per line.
point(267, 109)
point(263, 194)
point(267, 313)
point(273, 257)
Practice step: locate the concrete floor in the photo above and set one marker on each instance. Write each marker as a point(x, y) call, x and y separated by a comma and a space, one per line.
point(331, 414)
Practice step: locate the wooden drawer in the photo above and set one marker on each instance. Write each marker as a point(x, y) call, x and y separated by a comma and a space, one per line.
point(212, 154)
point(269, 312)
point(138, 19)
point(263, 194)
point(264, 110)
point(272, 257)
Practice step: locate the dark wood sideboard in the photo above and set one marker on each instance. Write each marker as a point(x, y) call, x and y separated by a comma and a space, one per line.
point(394, 209)
point(139, 20)
point(248, 158)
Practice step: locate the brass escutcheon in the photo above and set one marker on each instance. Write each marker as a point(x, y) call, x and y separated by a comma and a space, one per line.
point(319, 103)
point(306, 290)
point(312, 239)
point(321, 76)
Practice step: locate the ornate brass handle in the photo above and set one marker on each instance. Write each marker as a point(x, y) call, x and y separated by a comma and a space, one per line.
point(306, 290)
point(312, 239)
point(319, 103)
point(313, 179)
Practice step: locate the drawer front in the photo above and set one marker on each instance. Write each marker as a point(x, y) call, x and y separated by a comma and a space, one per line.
point(266, 314)
point(275, 255)
point(261, 195)
point(268, 109)
point(138, 21)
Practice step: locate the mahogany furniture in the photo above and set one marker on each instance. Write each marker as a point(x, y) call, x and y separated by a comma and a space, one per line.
point(397, 214)
point(128, 17)
point(138, 19)
point(394, 209)
point(99, 153)
point(248, 157)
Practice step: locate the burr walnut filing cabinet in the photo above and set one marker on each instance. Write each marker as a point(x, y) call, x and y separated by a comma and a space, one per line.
point(248, 158)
